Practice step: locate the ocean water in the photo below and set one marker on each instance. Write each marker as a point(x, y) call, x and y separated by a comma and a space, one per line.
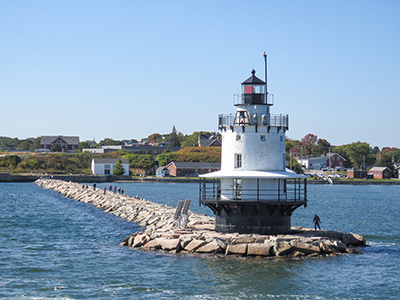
point(52, 247)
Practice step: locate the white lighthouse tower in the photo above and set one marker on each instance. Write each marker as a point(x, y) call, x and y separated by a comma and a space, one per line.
point(253, 192)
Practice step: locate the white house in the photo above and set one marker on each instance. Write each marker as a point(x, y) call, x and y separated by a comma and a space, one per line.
point(105, 166)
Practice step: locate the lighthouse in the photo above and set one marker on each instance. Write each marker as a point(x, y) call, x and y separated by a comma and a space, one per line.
point(253, 192)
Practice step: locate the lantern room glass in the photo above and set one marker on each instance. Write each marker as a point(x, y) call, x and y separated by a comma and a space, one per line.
point(253, 89)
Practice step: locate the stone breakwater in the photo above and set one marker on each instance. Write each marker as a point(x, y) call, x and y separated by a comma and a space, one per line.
point(160, 233)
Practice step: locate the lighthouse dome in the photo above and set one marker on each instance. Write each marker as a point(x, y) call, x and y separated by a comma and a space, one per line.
point(253, 79)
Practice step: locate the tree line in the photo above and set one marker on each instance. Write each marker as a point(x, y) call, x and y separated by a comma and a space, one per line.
point(358, 155)
point(80, 163)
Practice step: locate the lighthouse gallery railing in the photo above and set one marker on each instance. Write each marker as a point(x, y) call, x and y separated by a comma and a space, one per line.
point(227, 120)
point(295, 190)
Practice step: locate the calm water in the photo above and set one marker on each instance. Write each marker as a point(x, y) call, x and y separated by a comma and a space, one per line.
point(53, 247)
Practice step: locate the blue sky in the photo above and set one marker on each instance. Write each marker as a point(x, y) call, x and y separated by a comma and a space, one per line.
point(127, 69)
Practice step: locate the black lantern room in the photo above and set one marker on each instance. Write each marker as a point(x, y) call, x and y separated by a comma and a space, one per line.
point(253, 90)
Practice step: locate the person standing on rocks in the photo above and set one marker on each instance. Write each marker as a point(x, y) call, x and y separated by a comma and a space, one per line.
point(94, 186)
point(316, 221)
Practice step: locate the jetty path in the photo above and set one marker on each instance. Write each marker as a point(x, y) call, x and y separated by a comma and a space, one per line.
point(161, 230)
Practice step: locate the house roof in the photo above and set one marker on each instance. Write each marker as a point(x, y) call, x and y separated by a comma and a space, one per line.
point(48, 139)
point(109, 160)
point(206, 140)
point(323, 158)
point(195, 165)
point(316, 160)
point(159, 169)
point(379, 169)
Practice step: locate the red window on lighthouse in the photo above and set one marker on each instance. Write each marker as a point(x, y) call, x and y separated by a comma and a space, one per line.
point(249, 89)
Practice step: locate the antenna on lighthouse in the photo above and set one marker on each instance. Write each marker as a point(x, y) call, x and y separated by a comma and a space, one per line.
point(265, 62)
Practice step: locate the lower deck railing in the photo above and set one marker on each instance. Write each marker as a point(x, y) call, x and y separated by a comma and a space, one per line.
point(291, 190)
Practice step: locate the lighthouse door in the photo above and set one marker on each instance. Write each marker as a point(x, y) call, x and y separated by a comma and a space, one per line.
point(237, 189)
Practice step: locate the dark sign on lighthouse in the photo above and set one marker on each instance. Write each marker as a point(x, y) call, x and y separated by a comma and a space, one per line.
point(253, 192)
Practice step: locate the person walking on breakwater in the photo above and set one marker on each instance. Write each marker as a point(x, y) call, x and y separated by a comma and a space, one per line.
point(110, 187)
point(105, 190)
point(316, 221)
point(94, 186)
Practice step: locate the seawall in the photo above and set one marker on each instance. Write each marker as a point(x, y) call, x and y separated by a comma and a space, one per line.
point(199, 236)
point(6, 177)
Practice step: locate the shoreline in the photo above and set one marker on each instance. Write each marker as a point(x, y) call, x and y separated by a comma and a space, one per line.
point(160, 232)
point(6, 177)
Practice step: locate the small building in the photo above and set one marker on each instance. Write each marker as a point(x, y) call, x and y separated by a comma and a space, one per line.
point(192, 169)
point(105, 166)
point(380, 172)
point(351, 173)
point(162, 171)
point(330, 160)
point(94, 150)
point(67, 143)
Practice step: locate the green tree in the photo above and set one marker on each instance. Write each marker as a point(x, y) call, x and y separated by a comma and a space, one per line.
point(119, 169)
point(25, 144)
point(323, 146)
point(388, 159)
point(10, 161)
point(109, 142)
point(84, 145)
point(55, 148)
point(190, 140)
point(293, 146)
point(191, 154)
point(174, 139)
point(35, 144)
point(166, 157)
point(154, 138)
point(33, 164)
point(295, 164)
point(140, 161)
point(359, 154)
point(8, 143)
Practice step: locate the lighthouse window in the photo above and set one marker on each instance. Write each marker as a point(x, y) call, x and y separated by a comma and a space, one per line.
point(262, 137)
point(238, 137)
point(238, 158)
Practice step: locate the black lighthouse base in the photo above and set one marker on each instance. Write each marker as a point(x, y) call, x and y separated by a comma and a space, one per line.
point(253, 217)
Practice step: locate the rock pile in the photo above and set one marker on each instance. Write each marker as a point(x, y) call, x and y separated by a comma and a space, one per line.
point(200, 236)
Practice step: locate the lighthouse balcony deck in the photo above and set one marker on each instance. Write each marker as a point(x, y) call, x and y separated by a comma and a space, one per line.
point(228, 120)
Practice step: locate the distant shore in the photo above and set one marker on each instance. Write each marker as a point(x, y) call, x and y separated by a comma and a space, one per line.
point(6, 177)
